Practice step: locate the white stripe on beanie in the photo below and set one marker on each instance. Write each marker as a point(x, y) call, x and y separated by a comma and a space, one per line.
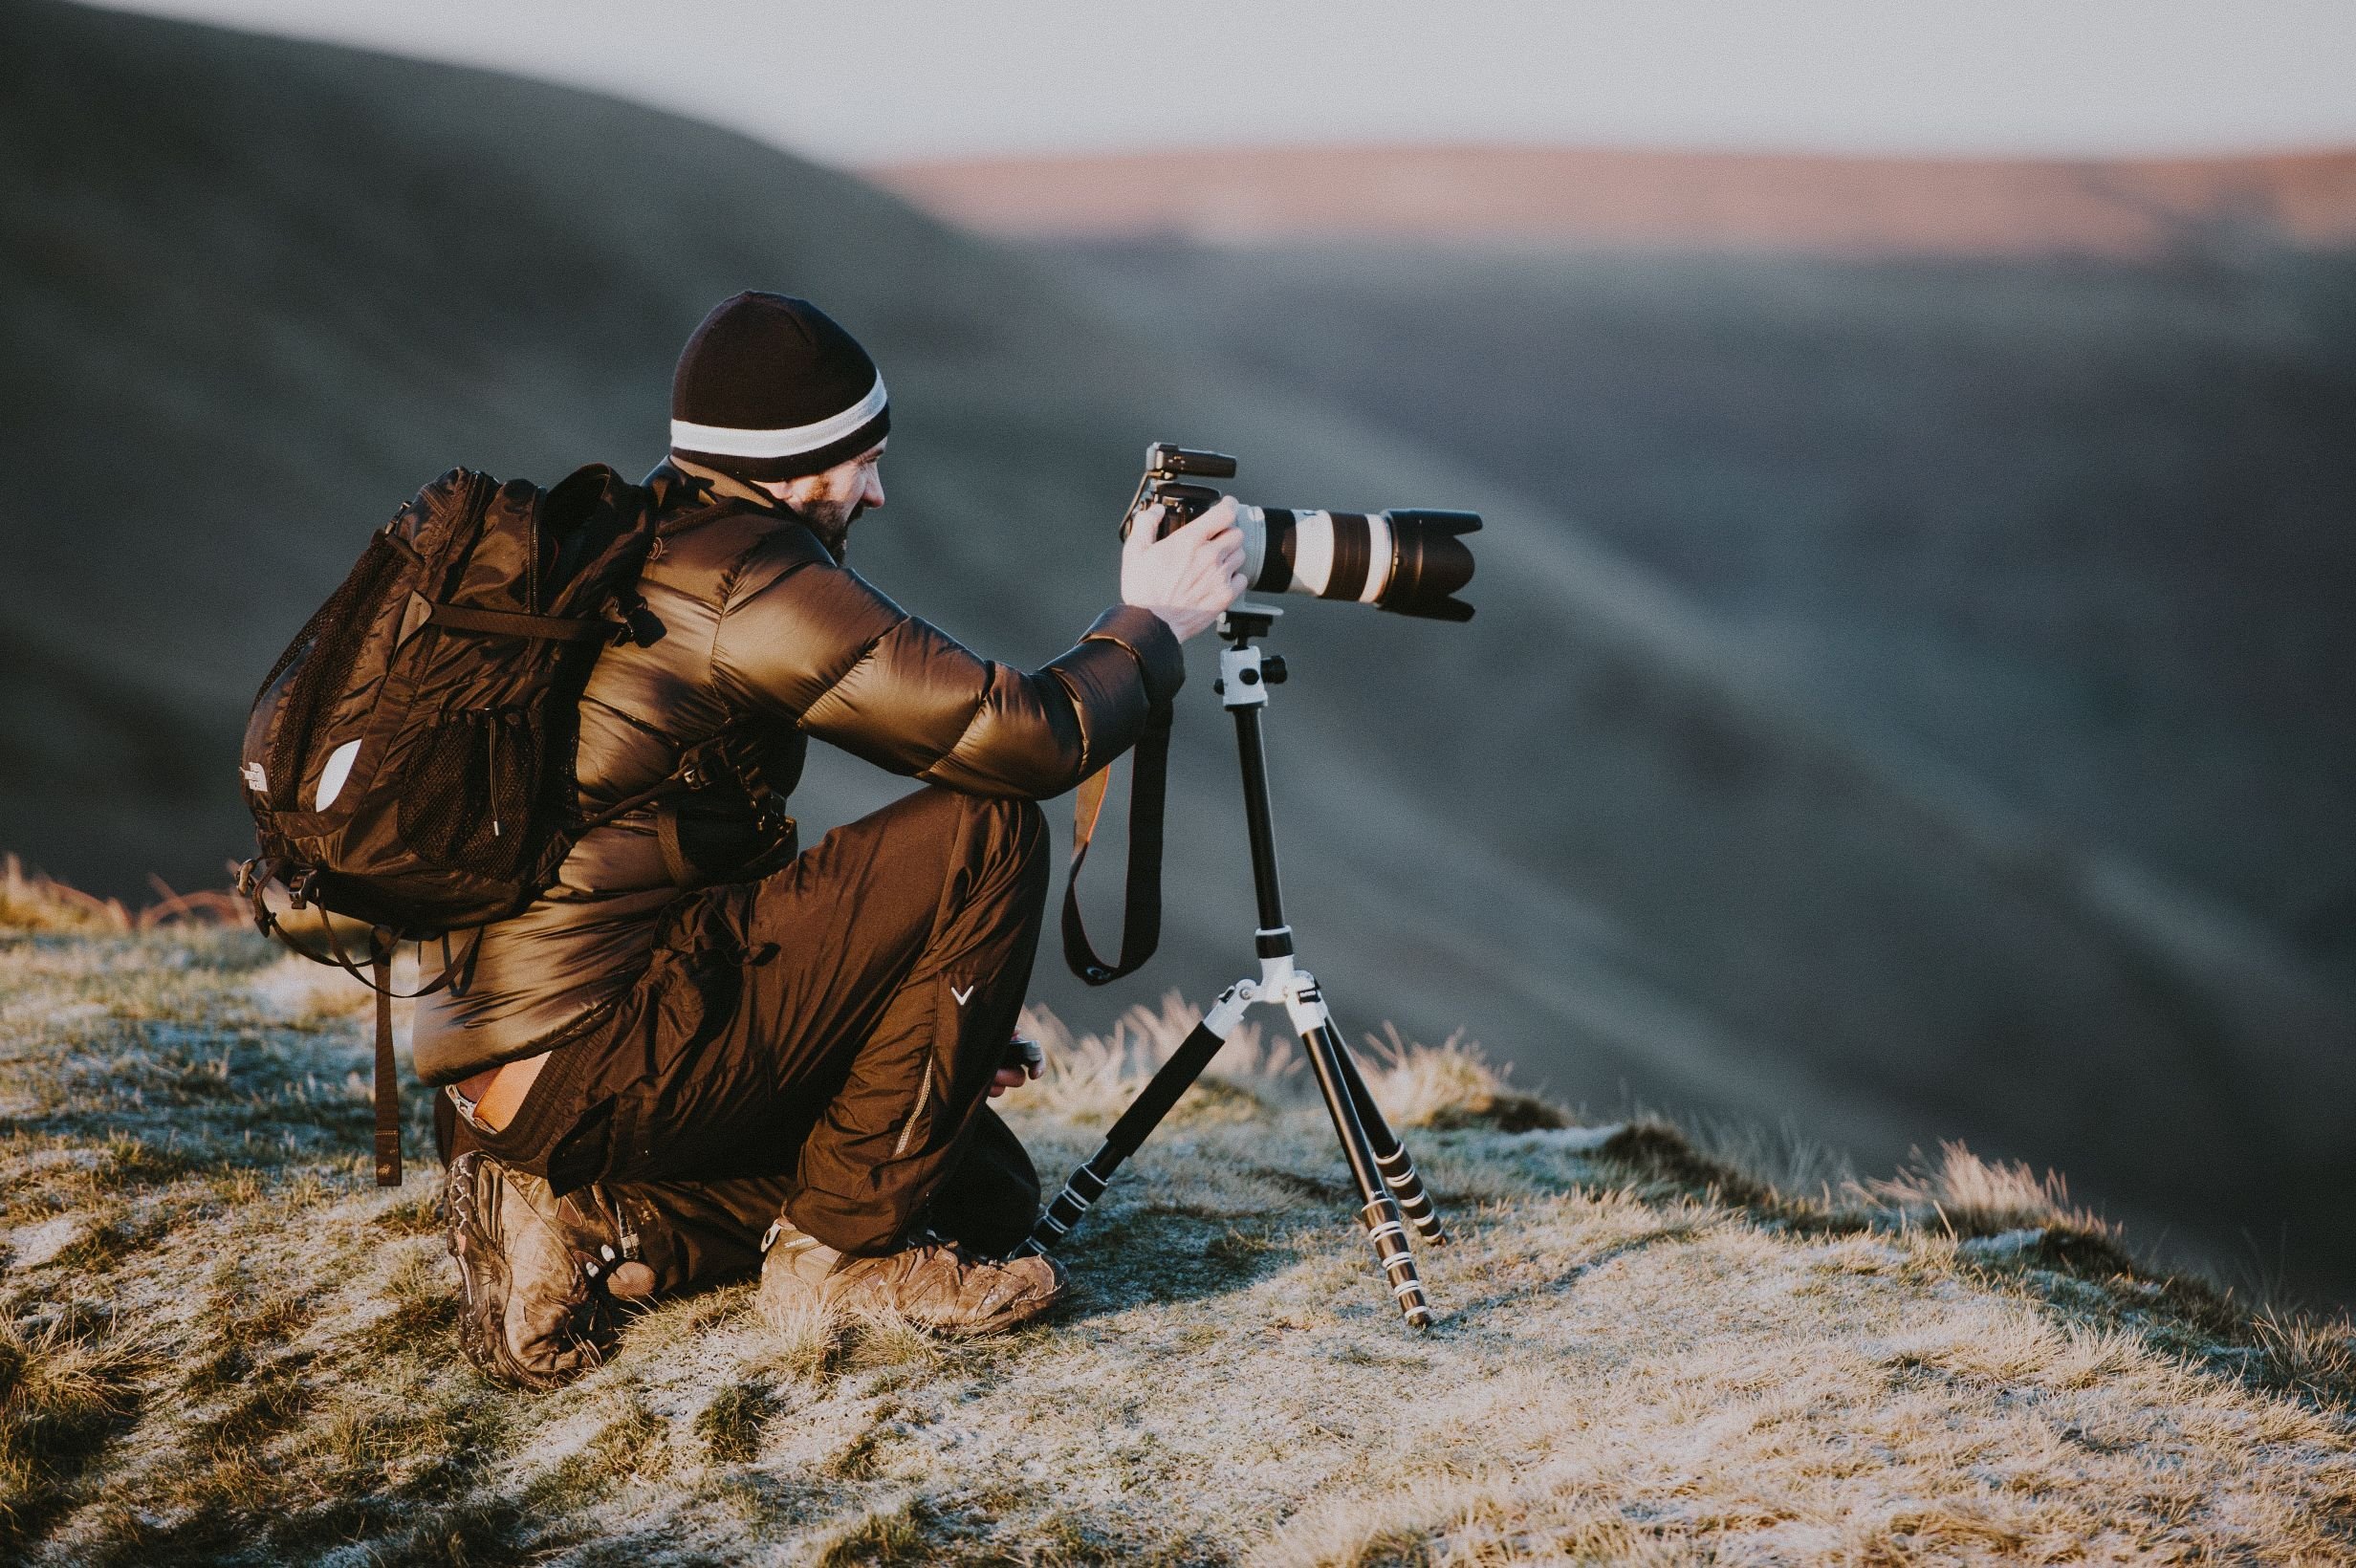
point(725, 441)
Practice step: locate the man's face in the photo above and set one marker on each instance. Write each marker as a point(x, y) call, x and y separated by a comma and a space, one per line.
point(831, 501)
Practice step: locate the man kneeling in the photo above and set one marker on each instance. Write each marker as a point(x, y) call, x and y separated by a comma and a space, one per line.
point(701, 1047)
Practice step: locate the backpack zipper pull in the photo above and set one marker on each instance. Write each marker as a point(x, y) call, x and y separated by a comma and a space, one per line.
point(490, 767)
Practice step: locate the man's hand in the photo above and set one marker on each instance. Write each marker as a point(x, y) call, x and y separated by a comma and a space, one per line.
point(1191, 578)
point(1024, 1061)
point(1012, 1078)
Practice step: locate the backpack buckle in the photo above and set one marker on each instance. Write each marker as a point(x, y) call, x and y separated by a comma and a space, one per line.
point(640, 626)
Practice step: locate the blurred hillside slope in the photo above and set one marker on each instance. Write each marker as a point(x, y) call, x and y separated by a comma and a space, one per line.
point(253, 292)
point(2077, 525)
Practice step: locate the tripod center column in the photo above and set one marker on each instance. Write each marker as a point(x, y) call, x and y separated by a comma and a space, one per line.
point(1244, 679)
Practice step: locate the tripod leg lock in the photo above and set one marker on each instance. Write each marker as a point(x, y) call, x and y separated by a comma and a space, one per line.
point(1229, 1009)
point(1399, 1175)
point(1390, 1236)
point(1078, 1195)
point(1306, 1004)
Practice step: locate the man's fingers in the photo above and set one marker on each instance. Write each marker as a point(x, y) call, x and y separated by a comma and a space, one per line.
point(1222, 549)
point(1209, 524)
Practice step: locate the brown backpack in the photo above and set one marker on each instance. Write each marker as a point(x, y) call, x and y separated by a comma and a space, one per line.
point(409, 758)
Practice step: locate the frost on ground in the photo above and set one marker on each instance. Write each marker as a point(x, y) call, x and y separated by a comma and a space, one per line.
point(219, 1344)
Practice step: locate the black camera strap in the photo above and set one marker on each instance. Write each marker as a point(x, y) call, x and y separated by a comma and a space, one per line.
point(1141, 915)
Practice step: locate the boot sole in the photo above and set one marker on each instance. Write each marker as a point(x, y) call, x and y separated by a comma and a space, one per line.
point(1005, 1320)
point(1012, 1315)
point(483, 1279)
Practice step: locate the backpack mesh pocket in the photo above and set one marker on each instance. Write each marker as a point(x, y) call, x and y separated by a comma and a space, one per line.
point(469, 790)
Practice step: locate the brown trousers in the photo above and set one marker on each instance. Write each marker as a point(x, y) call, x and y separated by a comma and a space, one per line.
point(821, 1040)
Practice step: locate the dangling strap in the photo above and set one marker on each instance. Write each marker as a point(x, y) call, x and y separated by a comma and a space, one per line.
point(387, 1080)
point(1141, 915)
point(387, 1085)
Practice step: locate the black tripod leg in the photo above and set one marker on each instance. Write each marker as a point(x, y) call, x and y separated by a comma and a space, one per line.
point(1390, 1155)
point(1146, 1112)
point(1385, 1228)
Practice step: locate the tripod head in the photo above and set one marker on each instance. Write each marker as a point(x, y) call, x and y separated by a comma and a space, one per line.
point(1245, 672)
point(1243, 621)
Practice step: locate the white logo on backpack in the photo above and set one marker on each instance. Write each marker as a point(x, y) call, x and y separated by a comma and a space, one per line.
point(331, 776)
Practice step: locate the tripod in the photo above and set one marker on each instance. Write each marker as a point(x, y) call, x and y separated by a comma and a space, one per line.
point(1385, 1177)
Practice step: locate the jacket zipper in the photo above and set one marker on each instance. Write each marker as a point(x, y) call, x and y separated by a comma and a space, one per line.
point(908, 1128)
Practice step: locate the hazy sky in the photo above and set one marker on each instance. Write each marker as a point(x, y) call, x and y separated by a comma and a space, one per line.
point(864, 82)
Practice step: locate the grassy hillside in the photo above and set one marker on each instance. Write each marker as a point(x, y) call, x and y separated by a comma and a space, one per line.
point(219, 1344)
point(253, 292)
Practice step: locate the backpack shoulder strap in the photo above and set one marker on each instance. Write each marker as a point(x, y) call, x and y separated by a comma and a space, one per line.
point(512, 623)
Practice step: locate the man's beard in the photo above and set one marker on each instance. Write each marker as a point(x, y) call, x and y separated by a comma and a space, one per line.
point(833, 532)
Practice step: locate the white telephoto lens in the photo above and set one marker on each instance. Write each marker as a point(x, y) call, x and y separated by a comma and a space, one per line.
point(1312, 552)
point(1379, 561)
point(1255, 524)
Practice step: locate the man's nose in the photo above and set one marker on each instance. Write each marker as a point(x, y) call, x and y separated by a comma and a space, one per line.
point(875, 491)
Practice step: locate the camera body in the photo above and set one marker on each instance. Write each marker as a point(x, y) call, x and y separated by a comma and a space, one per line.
point(1407, 561)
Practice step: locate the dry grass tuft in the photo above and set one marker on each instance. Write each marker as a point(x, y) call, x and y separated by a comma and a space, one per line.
point(1453, 1084)
point(881, 1340)
point(1665, 1162)
point(903, 1532)
point(1968, 1196)
point(65, 1385)
point(2312, 1356)
point(807, 1340)
point(32, 902)
point(1091, 1078)
point(29, 902)
point(731, 1425)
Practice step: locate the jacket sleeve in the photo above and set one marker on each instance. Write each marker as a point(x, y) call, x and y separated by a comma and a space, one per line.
point(815, 645)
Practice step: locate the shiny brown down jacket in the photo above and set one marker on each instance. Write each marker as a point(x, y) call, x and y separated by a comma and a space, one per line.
point(762, 629)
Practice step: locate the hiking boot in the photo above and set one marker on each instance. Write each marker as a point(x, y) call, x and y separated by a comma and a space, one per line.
point(540, 1274)
point(934, 1284)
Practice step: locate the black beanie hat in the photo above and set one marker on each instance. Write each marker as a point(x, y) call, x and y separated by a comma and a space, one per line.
point(770, 389)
